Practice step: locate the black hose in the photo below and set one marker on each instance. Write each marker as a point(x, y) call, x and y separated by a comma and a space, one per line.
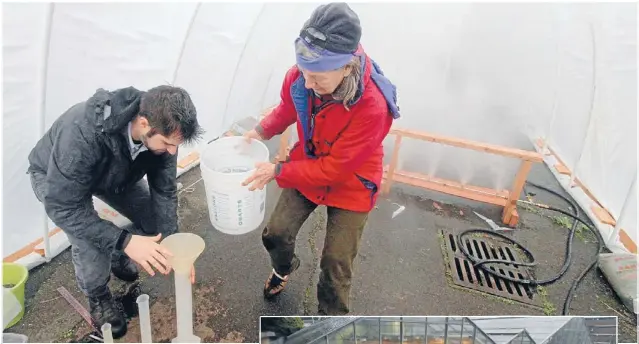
point(567, 257)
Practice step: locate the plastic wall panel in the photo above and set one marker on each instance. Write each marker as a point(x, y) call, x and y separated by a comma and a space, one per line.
point(609, 159)
point(22, 54)
point(110, 46)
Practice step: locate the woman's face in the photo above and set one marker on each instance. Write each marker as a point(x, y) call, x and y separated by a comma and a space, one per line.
point(324, 83)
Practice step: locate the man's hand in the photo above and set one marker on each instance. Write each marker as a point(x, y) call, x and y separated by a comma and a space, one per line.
point(149, 254)
point(193, 274)
point(264, 173)
point(252, 134)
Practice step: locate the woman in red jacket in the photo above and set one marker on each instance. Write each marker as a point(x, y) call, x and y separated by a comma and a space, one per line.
point(344, 107)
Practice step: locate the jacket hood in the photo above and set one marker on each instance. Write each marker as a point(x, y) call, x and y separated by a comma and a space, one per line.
point(113, 110)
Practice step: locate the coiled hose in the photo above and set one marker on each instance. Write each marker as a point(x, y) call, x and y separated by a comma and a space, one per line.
point(480, 263)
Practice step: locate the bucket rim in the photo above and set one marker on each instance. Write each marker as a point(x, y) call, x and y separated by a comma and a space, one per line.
point(228, 138)
point(22, 268)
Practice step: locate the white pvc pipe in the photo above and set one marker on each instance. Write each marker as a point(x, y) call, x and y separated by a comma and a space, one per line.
point(42, 120)
point(624, 211)
point(145, 318)
point(226, 122)
point(106, 333)
point(555, 100)
point(592, 105)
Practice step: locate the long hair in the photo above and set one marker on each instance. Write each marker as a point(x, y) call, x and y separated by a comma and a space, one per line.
point(347, 89)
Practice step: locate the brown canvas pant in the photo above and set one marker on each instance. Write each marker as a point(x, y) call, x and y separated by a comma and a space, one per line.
point(343, 233)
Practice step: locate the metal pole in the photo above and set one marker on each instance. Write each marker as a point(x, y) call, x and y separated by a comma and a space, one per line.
point(474, 333)
point(446, 330)
point(426, 330)
point(355, 332)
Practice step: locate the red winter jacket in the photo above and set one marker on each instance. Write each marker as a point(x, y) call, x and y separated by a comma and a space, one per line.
point(337, 161)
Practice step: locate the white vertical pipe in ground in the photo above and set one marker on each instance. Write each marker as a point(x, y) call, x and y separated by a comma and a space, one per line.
point(592, 105)
point(107, 335)
point(145, 318)
point(42, 119)
point(624, 211)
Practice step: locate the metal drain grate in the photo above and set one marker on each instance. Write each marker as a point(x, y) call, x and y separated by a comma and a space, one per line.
point(465, 275)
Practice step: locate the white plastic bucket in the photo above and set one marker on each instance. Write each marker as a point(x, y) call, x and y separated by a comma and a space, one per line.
point(225, 163)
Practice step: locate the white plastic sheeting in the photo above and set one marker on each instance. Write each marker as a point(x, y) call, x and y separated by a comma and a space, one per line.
point(499, 73)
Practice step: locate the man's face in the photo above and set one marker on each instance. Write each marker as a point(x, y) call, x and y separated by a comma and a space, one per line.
point(324, 83)
point(155, 142)
point(159, 144)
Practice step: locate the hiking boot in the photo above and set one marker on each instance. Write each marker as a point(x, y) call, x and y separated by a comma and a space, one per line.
point(124, 269)
point(275, 283)
point(104, 310)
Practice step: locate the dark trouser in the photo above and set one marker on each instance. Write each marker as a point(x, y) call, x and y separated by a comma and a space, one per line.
point(343, 233)
point(92, 266)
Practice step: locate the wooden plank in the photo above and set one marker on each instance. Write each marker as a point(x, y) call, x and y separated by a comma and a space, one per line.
point(588, 193)
point(627, 241)
point(515, 191)
point(473, 188)
point(514, 218)
point(562, 169)
point(28, 249)
point(450, 187)
point(603, 215)
point(393, 165)
point(474, 145)
point(189, 159)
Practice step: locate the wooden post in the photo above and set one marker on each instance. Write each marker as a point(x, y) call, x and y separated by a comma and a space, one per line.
point(393, 165)
point(510, 216)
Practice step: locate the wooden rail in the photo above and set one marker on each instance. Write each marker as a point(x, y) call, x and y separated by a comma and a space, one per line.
point(505, 198)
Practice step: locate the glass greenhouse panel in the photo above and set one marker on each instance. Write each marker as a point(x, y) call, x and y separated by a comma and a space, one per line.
point(517, 339)
point(454, 332)
point(467, 332)
point(345, 335)
point(481, 338)
point(414, 333)
point(390, 332)
point(574, 332)
point(436, 330)
point(367, 330)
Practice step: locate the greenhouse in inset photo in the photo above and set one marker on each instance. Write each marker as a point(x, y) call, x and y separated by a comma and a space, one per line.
point(442, 330)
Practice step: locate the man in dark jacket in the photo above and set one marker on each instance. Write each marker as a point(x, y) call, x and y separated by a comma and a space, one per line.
point(103, 147)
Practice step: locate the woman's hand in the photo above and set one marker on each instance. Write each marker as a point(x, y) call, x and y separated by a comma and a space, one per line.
point(264, 173)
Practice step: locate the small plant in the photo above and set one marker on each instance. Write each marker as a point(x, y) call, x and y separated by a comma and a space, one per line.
point(548, 307)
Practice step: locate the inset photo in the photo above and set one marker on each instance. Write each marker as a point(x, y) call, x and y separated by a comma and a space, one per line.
point(439, 330)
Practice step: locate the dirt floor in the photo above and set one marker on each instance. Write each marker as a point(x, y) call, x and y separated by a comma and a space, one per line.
point(400, 271)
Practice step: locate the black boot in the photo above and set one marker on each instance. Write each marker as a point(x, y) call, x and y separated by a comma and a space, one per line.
point(124, 268)
point(104, 310)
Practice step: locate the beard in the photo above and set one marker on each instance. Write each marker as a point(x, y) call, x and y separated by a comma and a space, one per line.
point(145, 142)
